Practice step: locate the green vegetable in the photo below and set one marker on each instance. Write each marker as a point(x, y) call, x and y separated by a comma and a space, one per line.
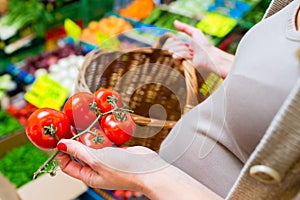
point(155, 14)
point(8, 124)
point(190, 8)
point(19, 164)
point(27, 13)
point(166, 20)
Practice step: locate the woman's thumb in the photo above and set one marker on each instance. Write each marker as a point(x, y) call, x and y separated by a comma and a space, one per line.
point(183, 27)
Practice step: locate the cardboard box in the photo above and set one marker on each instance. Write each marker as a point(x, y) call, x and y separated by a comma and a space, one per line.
point(12, 141)
point(8, 190)
point(59, 187)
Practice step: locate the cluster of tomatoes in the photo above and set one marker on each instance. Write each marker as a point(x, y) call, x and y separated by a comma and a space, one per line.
point(127, 194)
point(97, 120)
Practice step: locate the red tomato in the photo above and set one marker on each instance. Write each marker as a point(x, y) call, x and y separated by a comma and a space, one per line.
point(102, 98)
point(119, 193)
point(78, 111)
point(95, 141)
point(128, 194)
point(23, 112)
point(12, 110)
point(119, 131)
point(39, 125)
point(74, 131)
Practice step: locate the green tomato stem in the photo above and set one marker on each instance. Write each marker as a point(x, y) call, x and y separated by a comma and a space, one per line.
point(50, 130)
point(125, 110)
point(46, 163)
point(88, 128)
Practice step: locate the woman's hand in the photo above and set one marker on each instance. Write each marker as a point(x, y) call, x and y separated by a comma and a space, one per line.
point(179, 48)
point(204, 55)
point(134, 168)
point(110, 167)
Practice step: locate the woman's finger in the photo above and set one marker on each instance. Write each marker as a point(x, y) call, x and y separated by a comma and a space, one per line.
point(78, 150)
point(183, 27)
point(171, 42)
point(76, 170)
point(72, 167)
point(180, 48)
point(177, 46)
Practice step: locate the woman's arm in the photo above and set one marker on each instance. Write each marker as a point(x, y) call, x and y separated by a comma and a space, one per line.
point(222, 60)
point(135, 168)
point(172, 183)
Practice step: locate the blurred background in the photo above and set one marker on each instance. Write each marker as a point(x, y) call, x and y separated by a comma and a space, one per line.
point(45, 41)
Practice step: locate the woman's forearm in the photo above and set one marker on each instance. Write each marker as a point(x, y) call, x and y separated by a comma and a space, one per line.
point(223, 61)
point(172, 183)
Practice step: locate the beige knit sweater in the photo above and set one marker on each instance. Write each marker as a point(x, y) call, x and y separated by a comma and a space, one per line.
point(273, 170)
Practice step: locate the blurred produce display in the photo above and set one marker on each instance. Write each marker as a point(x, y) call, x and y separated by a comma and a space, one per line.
point(137, 9)
point(19, 164)
point(3, 6)
point(128, 194)
point(8, 124)
point(22, 14)
point(105, 27)
point(255, 14)
point(45, 59)
point(21, 111)
point(230, 43)
point(165, 19)
point(43, 43)
point(192, 9)
point(65, 71)
point(51, 5)
point(6, 84)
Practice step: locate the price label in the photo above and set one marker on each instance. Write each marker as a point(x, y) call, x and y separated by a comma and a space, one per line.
point(216, 25)
point(45, 92)
point(72, 29)
point(211, 83)
point(108, 43)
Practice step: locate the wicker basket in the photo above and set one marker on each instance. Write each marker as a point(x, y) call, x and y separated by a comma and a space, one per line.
point(156, 87)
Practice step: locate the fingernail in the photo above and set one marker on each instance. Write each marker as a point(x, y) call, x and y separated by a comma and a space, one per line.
point(61, 147)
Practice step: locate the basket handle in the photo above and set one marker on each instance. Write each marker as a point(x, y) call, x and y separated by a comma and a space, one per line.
point(80, 85)
point(161, 41)
point(191, 85)
point(189, 72)
point(145, 121)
